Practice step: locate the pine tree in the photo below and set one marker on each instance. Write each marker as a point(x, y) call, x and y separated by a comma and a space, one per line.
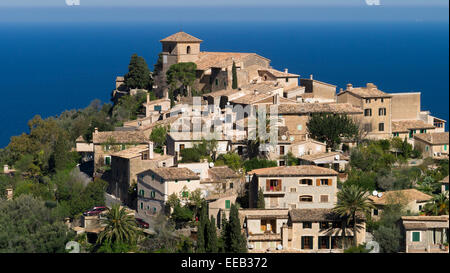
point(234, 84)
point(211, 238)
point(261, 204)
point(235, 241)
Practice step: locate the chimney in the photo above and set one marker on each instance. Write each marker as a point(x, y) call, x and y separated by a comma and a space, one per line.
point(276, 99)
point(311, 77)
point(164, 150)
point(95, 130)
point(306, 137)
point(166, 95)
point(285, 70)
point(328, 150)
point(5, 168)
point(150, 150)
point(371, 85)
point(148, 97)
point(341, 90)
point(349, 86)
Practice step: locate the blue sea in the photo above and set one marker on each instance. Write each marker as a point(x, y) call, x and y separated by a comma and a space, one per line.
point(46, 68)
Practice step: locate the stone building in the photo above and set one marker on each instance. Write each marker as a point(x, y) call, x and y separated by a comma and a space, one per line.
point(317, 91)
point(444, 185)
point(432, 144)
point(425, 234)
point(294, 187)
point(157, 184)
point(408, 128)
point(126, 164)
point(377, 109)
point(107, 143)
point(298, 230)
point(412, 199)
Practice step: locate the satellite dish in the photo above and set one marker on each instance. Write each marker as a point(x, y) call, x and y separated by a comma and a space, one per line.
point(211, 164)
point(279, 247)
point(250, 246)
point(380, 194)
point(283, 137)
point(73, 247)
point(374, 193)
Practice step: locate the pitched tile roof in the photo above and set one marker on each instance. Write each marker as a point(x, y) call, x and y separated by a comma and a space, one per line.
point(222, 172)
point(434, 138)
point(174, 173)
point(313, 157)
point(279, 74)
point(370, 91)
point(445, 180)
point(181, 37)
point(302, 170)
point(409, 194)
point(403, 126)
point(306, 108)
point(313, 215)
point(207, 60)
point(119, 137)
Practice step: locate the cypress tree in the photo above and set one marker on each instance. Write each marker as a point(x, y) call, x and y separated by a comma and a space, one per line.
point(202, 230)
point(234, 84)
point(235, 241)
point(211, 238)
point(261, 204)
point(138, 75)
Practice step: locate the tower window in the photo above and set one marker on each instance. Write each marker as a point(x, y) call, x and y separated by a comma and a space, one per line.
point(188, 50)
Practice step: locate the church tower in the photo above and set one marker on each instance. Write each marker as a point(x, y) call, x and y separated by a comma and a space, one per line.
point(179, 48)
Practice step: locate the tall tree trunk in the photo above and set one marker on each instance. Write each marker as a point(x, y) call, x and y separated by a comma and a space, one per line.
point(355, 242)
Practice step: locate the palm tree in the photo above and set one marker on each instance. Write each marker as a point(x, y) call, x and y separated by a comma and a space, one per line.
point(351, 201)
point(439, 205)
point(120, 227)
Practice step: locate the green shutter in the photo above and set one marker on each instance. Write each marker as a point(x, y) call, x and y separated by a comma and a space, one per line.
point(227, 204)
point(108, 160)
point(416, 236)
point(142, 205)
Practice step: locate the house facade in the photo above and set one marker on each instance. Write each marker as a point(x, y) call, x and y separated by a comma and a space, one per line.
point(294, 187)
point(425, 234)
point(432, 144)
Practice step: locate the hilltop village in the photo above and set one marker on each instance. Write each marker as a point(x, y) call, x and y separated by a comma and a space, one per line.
point(288, 195)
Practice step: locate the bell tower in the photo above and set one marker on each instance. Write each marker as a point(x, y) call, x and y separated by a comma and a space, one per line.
point(179, 48)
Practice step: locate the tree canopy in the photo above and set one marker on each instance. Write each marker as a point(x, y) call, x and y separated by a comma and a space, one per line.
point(138, 75)
point(330, 128)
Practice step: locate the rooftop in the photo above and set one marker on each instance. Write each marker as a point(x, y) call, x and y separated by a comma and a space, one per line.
point(175, 173)
point(306, 108)
point(302, 170)
point(222, 172)
point(279, 74)
point(445, 180)
point(181, 37)
point(206, 60)
point(313, 157)
point(313, 215)
point(434, 138)
point(370, 91)
point(403, 126)
point(125, 137)
point(409, 195)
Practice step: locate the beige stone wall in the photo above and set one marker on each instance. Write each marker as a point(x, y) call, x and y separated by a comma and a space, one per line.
point(307, 148)
point(297, 126)
point(324, 91)
point(405, 106)
point(429, 150)
point(347, 98)
point(291, 190)
point(84, 147)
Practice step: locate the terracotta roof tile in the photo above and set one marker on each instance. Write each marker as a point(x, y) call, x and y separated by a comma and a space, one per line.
point(124, 137)
point(303, 170)
point(445, 180)
point(181, 37)
point(370, 91)
point(434, 138)
point(222, 172)
point(306, 108)
point(408, 194)
point(175, 173)
point(314, 215)
point(403, 126)
point(279, 74)
point(207, 60)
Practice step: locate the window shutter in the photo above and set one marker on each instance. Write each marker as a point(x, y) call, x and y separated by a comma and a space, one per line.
point(279, 185)
point(318, 182)
point(267, 185)
point(330, 182)
point(303, 242)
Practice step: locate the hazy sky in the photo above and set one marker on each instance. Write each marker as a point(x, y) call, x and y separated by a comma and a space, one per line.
point(131, 3)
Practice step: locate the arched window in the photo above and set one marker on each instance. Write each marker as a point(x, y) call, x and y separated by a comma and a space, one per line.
point(305, 198)
point(188, 50)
